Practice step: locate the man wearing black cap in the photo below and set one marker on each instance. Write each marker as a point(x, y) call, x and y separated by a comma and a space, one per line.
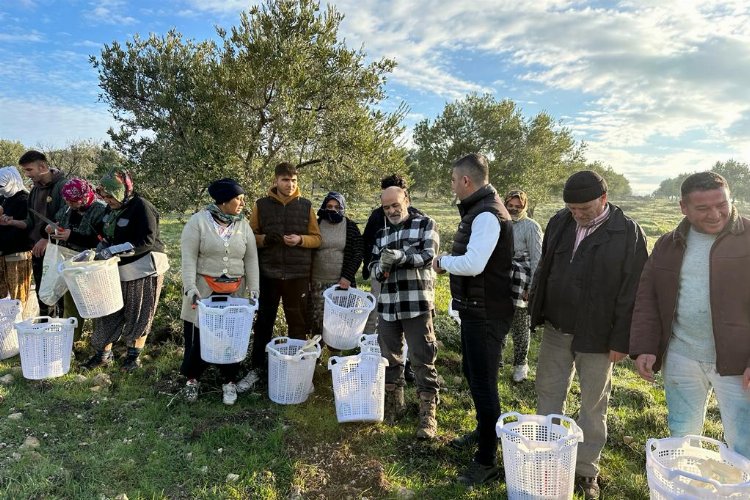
point(583, 295)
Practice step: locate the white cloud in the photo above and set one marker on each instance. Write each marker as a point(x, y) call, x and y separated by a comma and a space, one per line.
point(220, 6)
point(648, 72)
point(40, 122)
point(109, 12)
point(34, 36)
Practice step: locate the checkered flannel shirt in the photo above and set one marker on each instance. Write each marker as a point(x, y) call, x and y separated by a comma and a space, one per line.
point(409, 290)
point(520, 278)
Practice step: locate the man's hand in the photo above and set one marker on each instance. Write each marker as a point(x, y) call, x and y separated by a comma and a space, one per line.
point(645, 365)
point(389, 257)
point(292, 240)
point(6, 220)
point(436, 266)
point(344, 283)
point(272, 239)
point(39, 248)
point(746, 379)
point(615, 356)
point(62, 234)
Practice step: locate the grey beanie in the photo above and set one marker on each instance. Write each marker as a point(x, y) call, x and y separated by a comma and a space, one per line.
point(583, 187)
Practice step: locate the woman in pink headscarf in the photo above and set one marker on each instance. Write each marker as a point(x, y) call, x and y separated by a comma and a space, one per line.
point(77, 220)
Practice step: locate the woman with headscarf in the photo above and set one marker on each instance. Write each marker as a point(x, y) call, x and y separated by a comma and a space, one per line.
point(15, 245)
point(217, 242)
point(339, 256)
point(77, 221)
point(129, 218)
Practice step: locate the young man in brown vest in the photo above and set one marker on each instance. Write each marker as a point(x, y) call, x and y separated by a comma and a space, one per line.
point(286, 231)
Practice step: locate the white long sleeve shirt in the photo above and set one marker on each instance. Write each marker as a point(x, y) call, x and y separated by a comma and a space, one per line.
point(485, 233)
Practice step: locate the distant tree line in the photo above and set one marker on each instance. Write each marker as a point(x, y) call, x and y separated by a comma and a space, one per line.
point(736, 173)
point(534, 154)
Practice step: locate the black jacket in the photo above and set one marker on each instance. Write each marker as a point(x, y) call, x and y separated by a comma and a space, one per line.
point(138, 224)
point(613, 257)
point(12, 239)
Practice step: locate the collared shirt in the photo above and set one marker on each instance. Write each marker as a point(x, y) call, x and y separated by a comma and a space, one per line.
point(409, 289)
point(583, 231)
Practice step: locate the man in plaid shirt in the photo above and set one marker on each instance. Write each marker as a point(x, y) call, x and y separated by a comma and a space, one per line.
point(401, 261)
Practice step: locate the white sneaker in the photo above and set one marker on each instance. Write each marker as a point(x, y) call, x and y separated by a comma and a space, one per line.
point(520, 372)
point(230, 393)
point(191, 391)
point(248, 381)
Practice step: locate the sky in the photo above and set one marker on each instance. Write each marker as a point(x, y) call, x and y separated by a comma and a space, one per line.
point(653, 88)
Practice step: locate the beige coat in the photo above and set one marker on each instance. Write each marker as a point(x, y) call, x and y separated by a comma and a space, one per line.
point(204, 252)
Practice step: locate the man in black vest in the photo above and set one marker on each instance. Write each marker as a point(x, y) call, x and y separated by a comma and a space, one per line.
point(286, 232)
point(583, 294)
point(480, 268)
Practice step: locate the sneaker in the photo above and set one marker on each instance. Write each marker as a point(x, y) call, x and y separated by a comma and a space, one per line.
point(589, 486)
point(100, 358)
point(248, 381)
point(468, 440)
point(477, 474)
point(520, 372)
point(191, 391)
point(230, 393)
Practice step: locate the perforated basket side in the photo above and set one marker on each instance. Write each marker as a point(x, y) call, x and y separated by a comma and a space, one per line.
point(290, 373)
point(96, 288)
point(45, 347)
point(359, 387)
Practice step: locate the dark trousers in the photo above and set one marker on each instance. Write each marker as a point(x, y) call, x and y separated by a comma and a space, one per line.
point(481, 342)
point(193, 365)
point(420, 337)
point(293, 293)
point(44, 309)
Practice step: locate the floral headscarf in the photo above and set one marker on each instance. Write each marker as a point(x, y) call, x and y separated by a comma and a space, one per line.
point(117, 183)
point(10, 181)
point(79, 191)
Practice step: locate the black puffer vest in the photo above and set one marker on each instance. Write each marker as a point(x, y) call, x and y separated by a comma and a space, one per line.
point(281, 261)
point(487, 295)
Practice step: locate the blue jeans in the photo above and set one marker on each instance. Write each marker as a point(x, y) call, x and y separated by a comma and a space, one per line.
point(481, 343)
point(688, 384)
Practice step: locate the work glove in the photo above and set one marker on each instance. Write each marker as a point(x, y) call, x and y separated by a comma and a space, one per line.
point(193, 294)
point(273, 239)
point(390, 257)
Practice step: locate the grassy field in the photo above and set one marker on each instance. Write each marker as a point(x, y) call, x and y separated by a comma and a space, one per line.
point(137, 437)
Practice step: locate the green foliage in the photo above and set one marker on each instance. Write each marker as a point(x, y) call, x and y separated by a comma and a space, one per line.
point(736, 173)
point(531, 154)
point(10, 152)
point(280, 86)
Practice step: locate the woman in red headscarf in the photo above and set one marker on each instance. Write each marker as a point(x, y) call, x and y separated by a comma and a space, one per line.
point(77, 220)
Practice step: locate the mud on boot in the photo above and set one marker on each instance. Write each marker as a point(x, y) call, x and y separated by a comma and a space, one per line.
point(427, 422)
point(394, 403)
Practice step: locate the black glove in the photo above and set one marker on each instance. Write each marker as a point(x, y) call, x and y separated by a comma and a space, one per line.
point(273, 239)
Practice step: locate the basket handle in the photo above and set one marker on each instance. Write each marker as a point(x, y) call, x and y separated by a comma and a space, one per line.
point(673, 473)
point(540, 419)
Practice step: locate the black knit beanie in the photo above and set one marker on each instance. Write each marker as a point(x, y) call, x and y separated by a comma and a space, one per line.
point(583, 187)
point(224, 190)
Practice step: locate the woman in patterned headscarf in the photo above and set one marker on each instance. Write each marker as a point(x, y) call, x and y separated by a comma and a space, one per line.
point(15, 246)
point(77, 219)
point(129, 218)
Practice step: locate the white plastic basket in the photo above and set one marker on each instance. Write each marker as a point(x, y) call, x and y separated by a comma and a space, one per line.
point(539, 455)
point(94, 285)
point(345, 315)
point(10, 312)
point(290, 370)
point(45, 345)
point(686, 468)
point(368, 343)
point(225, 324)
point(359, 387)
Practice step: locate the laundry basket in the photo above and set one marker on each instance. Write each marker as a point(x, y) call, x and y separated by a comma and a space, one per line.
point(368, 343)
point(225, 324)
point(345, 315)
point(539, 455)
point(10, 312)
point(290, 370)
point(695, 467)
point(358, 387)
point(45, 345)
point(94, 285)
